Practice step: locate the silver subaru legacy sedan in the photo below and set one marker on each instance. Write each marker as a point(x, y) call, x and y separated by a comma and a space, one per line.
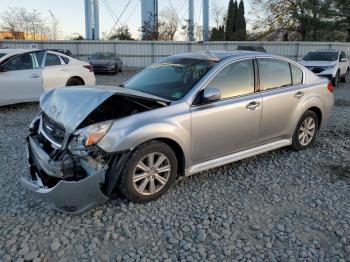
point(186, 114)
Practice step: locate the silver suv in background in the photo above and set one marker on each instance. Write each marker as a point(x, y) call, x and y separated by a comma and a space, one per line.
point(186, 114)
point(332, 64)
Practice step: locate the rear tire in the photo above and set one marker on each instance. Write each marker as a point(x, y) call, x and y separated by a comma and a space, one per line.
point(306, 131)
point(74, 82)
point(148, 173)
point(115, 70)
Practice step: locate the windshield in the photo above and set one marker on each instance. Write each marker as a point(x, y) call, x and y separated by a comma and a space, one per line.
point(321, 56)
point(171, 79)
point(102, 56)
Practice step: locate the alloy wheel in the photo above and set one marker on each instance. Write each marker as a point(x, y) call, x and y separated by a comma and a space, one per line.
point(307, 131)
point(151, 173)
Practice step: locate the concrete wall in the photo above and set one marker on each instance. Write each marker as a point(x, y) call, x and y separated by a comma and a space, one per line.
point(138, 54)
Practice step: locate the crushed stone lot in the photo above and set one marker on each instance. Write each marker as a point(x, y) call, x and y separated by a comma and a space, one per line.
point(278, 206)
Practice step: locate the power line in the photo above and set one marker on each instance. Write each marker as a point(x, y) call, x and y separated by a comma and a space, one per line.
point(110, 11)
point(132, 12)
point(118, 21)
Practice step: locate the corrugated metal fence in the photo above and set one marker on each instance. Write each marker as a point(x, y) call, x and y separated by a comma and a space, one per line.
point(138, 54)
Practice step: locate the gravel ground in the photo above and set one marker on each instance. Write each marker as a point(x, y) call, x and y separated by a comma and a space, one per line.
point(278, 206)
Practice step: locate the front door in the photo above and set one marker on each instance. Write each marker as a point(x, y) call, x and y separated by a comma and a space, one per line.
point(21, 80)
point(232, 123)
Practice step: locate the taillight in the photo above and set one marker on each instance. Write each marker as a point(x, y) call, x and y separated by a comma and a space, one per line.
point(89, 67)
point(330, 86)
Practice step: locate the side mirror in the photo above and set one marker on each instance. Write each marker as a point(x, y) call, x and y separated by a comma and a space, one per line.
point(343, 60)
point(211, 94)
point(299, 59)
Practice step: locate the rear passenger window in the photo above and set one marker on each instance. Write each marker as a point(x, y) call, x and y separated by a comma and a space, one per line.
point(297, 75)
point(52, 60)
point(274, 73)
point(65, 59)
point(235, 79)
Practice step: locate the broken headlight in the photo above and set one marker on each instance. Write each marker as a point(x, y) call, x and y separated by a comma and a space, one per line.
point(89, 135)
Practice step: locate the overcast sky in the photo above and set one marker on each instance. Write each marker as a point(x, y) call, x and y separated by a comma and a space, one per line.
point(71, 12)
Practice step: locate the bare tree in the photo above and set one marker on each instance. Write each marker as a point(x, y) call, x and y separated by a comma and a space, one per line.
point(168, 24)
point(198, 31)
point(218, 14)
point(11, 22)
point(21, 23)
point(54, 24)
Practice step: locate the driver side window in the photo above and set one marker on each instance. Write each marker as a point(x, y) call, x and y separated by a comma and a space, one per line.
point(23, 62)
point(235, 79)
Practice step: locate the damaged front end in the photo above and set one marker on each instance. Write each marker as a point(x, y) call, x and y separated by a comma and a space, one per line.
point(68, 182)
point(66, 167)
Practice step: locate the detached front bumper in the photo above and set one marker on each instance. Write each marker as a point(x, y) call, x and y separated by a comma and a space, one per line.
point(68, 196)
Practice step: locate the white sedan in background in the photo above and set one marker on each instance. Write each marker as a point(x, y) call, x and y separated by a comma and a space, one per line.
point(26, 74)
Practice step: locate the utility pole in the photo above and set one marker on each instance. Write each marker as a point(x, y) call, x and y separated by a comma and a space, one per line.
point(205, 20)
point(190, 20)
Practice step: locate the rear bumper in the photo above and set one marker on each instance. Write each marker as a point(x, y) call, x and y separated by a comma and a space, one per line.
point(106, 69)
point(68, 196)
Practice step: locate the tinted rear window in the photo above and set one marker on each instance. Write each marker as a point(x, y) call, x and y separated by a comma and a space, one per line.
point(65, 59)
point(52, 60)
point(274, 73)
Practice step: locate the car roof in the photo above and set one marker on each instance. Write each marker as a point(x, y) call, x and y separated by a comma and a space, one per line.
point(326, 50)
point(15, 51)
point(216, 55)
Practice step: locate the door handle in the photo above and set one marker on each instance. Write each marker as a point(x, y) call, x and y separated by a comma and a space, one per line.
point(34, 76)
point(65, 70)
point(299, 94)
point(253, 105)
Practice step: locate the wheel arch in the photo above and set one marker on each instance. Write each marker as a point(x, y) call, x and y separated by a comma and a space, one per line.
point(318, 112)
point(75, 77)
point(180, 155)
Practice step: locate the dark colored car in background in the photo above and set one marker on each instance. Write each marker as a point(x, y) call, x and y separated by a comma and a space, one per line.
point(256, 48)
point(106, 62)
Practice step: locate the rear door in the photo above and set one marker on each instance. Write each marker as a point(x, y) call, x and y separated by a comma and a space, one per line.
point(55, 72)
point(282, 89)
point(21, 80)
point(232, 123)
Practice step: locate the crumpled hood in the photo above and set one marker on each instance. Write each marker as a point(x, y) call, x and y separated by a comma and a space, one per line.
point(70, 106)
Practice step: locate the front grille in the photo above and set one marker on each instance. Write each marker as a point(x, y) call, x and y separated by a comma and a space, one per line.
point(316, 69)
point(53, 132)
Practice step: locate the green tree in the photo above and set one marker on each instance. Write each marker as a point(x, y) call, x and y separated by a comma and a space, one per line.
point(230, 21)
point(305, 20)
point(342, 17)
point(241, 26)
point(217, 34)
point(121, 33)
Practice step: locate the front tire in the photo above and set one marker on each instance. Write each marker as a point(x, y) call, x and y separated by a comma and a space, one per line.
point(305, 131)
point(148, 173)
point(345, 79)
point(336, 79)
